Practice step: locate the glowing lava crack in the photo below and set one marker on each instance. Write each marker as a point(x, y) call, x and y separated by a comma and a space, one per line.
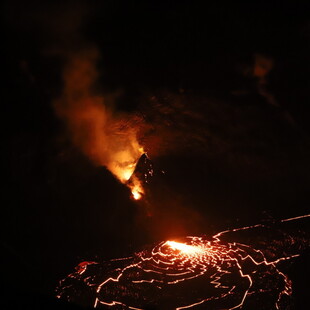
point(192, 273)
point(217, 267)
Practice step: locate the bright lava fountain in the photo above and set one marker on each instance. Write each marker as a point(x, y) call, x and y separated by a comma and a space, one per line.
point(191, 273)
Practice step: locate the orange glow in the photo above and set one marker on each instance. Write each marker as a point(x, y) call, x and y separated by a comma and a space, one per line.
point(136, 195)
point(233, 271)
point(123, 164)
point(126, 154)
point(107, 138)
point(185, 248)
point(136, 188)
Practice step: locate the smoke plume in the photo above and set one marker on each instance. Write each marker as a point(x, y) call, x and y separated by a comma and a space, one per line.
point(107, 138)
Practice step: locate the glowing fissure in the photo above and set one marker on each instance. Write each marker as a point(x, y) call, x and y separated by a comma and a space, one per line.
point(225, 275)
point(190, 260)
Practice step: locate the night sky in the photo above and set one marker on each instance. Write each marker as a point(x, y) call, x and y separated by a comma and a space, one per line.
point(230, 142)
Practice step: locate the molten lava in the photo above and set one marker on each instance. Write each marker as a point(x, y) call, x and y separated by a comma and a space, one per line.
point(194, 273)
point(185, 249)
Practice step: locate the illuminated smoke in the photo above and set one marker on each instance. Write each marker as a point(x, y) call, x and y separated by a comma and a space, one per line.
point(107, 138)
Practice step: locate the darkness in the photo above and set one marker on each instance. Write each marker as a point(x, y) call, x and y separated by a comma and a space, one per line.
point(242, 160)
